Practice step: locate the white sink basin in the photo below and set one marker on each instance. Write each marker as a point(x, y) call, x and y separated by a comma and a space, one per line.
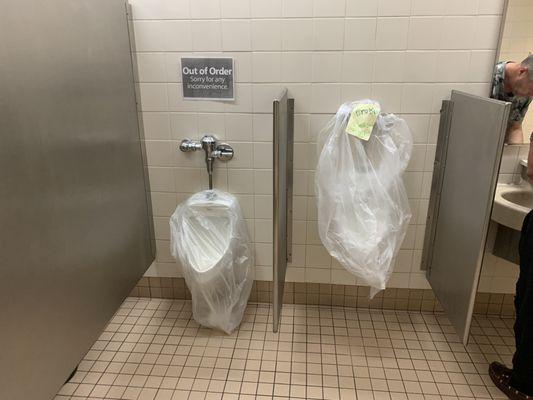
point(521, 198)
point(511, 204)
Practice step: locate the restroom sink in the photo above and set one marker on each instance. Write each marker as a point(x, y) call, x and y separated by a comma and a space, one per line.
point(511, 204)
point(521, 198)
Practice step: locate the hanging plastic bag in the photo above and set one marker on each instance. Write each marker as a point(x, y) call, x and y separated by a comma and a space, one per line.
point(210, 238)
point(363, 211)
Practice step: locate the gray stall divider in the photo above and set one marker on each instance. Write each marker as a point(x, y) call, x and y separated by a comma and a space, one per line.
point(75, 224)
point(467, 163)
point(283, 142)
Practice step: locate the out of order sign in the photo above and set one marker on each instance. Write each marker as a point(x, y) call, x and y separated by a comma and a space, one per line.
point(207, 78)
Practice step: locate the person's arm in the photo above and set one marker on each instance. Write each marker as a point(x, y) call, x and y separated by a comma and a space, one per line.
point(530, 159)
point(515, 134)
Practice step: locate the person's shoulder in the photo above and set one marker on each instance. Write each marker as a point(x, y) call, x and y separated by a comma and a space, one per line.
point(497, 79)
point(499, 68)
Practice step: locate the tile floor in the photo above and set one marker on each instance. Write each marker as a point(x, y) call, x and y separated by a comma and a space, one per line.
point(153, 349)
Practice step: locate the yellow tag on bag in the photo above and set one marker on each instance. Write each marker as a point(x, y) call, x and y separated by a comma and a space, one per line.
point(362, 120)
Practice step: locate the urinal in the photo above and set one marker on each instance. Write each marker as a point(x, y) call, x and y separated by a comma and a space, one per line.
point(210, 238)
point(363, 209)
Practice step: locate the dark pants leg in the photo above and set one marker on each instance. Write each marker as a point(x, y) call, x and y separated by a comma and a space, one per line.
point(522, 378)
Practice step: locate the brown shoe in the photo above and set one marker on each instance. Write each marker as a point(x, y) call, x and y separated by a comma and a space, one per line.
point(501, 376)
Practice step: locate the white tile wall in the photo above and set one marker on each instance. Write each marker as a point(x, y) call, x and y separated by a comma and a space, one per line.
point(407, 54)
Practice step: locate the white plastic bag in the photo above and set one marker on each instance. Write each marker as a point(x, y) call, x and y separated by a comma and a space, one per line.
point(363, 211)
point(210, 238)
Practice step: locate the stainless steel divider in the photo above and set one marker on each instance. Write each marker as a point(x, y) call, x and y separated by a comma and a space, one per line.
point(469, 152)
point(283, 143)
point(439, 164)
point(74, 216)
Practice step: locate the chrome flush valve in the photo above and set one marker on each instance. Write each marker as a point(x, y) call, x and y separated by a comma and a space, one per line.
point(213, 150)
point(187, 145)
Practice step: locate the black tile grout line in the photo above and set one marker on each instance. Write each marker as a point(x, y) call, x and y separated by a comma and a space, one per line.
point(154, 312)
point(110, 340)
point(337, 364)
point(237, 332)
point(139, 337)
point(158, 326)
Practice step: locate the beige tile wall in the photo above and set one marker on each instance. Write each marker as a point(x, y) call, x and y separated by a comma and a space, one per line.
point(510, 165)
point(335, 295)
point(517, 41)
point(407, 54)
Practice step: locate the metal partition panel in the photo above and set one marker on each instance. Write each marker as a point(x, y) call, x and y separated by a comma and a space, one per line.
point(470, 160)
point(283, 114)
point(74, 225)
point(439, 165)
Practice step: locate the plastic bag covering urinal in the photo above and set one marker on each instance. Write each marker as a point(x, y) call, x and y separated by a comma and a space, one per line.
point(363, 211)
point(210, 238)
